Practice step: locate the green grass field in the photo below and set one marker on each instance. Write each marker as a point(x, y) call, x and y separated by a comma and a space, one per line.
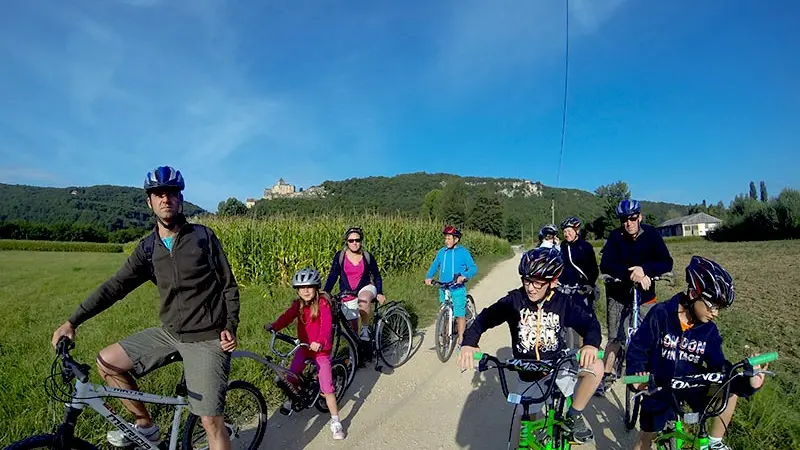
point(39, 290)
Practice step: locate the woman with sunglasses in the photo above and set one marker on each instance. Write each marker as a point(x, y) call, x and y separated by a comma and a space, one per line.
point(356, 271)
point(634, 252)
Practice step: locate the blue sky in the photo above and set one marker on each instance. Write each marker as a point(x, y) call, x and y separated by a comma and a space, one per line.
point(684, 100)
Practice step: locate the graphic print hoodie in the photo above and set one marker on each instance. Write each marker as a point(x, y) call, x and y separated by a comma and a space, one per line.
point(536, 328)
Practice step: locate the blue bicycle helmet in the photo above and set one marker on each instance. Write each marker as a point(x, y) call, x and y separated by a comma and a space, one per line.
point(164, 177)
point(628, 207)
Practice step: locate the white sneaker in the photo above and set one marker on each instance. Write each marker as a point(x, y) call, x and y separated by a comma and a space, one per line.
point(719, 446)
point(364, 333)
point(337, 430)
point(118, 439)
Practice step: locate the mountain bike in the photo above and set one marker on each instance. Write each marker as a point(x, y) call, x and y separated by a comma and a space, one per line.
point(576, 292)
point(85, 394)
point(446, 326)
point(635, 320)
point(675, 436)
point(548, 431)
point(391, 335)
point(302, 390)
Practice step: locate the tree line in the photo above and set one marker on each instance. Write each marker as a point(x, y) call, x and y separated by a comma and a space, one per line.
point(756, 217)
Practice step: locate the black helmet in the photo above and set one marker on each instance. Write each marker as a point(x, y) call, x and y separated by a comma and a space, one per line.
point(352, 230)
point(547, 229)
point(711, 281)
point(164, 177)
point(541, 262)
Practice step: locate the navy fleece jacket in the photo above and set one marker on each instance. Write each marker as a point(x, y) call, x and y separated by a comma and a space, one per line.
point(623, 251)
point(580, 263)
point(536, 332)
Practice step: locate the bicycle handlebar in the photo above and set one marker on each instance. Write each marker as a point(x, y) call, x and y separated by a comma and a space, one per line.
point(289, 340)
point(529, 365)
point(448, 284)
point(667, 276)
point(705, 379)
point(71, 367)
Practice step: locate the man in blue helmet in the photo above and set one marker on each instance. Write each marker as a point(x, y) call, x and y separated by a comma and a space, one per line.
point(633, 253)
point(199, 312)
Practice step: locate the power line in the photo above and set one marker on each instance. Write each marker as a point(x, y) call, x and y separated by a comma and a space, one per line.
point(564, 110)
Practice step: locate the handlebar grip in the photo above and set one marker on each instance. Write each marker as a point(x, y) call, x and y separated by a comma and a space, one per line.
point(762, 358)
point(477, 356)
point(600, 354)
point(631, 379)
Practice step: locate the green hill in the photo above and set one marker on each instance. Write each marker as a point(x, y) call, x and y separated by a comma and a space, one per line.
point(110, 208)
point(522, 201)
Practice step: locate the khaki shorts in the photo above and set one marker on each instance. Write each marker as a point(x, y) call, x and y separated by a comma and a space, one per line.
point(350, 307)
point(205, 365)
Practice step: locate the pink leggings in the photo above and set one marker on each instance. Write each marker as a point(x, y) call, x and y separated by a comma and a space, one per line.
point(323, 363)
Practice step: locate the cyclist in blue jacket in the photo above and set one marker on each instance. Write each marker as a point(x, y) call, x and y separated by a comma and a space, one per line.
point(454, 263)
point(678, 338)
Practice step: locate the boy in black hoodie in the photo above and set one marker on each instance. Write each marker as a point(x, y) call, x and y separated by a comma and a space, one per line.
point(535, 314)
point(679, 338)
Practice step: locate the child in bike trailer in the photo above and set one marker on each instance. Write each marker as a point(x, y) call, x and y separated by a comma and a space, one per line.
point(535, 314)
point(312, 309)
point(679, 338)
point(454, 261)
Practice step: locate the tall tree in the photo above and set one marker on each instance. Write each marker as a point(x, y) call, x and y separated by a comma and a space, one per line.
point(231, 207)
point(513, 232)
point(454, 203)
point(432, 205)
point(753, 193)
point(487, 214)
point(610, 196)
point(764, 196)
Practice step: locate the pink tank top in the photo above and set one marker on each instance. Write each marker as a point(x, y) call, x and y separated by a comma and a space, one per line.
point(353, 271)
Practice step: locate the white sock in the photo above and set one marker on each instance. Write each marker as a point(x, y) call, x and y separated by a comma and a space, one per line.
point(334, 418)
point(712, 440)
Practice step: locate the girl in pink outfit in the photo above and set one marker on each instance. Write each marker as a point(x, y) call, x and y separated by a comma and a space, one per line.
point(312, 310)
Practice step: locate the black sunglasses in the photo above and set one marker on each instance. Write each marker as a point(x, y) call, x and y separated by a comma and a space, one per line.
point(353, 240)
point(632, 218)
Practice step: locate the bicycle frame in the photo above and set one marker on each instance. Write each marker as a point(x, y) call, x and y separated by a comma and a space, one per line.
point(91, 395)
point(283, 372)
point(698, 380)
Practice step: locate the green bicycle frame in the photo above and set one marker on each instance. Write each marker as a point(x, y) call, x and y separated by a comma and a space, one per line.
point(681, 437)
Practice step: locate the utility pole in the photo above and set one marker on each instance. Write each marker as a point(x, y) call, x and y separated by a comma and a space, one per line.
point(553, 211)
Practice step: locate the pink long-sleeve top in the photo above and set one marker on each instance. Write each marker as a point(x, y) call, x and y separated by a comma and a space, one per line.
point(308, 330)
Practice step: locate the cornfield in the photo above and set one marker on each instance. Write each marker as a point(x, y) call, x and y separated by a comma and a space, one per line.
point(270, 250)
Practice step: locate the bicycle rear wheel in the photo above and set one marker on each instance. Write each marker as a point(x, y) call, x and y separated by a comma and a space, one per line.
point(394, 337)
point(339, 374)
point(346, 349)
point(472, 310)
point(245, 419)
point(50, 441)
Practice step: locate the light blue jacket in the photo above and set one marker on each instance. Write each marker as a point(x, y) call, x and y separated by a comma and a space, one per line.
point(451, 262)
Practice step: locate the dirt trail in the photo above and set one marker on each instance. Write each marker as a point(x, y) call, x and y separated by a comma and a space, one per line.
point(427, 404)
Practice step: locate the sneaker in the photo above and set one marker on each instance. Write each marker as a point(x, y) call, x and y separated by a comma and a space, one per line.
point(337, 430)
point(286, 409)
point(719, 446)
point(118, 439)
point(576, 425)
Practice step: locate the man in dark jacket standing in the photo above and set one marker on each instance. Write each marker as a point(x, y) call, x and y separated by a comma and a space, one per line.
point(633, 253)
point(199, 313)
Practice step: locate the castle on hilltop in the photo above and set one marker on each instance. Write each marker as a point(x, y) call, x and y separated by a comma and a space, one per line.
point(282, 189)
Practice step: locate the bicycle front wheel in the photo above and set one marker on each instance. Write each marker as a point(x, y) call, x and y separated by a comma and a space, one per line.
point(50, 441)
point(444, 334)
point(472, 310)
point(346, 349)
point(394, 337)
point(245, 419)
point(631, 409)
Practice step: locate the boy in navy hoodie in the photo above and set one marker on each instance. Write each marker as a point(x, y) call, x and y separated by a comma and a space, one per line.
point(679, 338)
point(536, 314)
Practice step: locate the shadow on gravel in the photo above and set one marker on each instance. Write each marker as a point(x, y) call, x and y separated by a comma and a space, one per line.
point(419, 338)
point(486, 416)
point(605, 415)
